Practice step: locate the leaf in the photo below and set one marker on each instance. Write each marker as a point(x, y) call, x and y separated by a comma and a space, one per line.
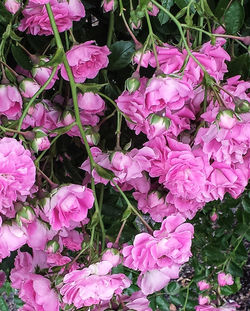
point(184, 3)
point(126, 214)
point(90, 87)
point(246, 204)
point(234, 17)
point(234, 269)
point(121, 55)
point(3, 305)
point(220, 8)
point(163, 17)
point(104, 172)
point(161, 303)
point(172, 288)
point(5, 16)
point(57, 59)
point(21, 57)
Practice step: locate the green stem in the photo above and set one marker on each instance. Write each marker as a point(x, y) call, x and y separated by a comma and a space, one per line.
point(201, 24)
point(179, 26)
point(151, 34)
point(111, 28)
point(187, 295)
point(76, 109)
point(118, 131)
point(27, 107)
point(133, 208)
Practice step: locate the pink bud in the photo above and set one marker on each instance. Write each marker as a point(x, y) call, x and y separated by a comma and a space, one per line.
point(108, 5)
point(2, 278)
point(28, 87)
point(203, 285)
point(225, 279)
point(226, 119)
point(52, 246)
point(203, 300)
point(112, 255)
point(214, 216)
point(12, 6)
point(25, 215)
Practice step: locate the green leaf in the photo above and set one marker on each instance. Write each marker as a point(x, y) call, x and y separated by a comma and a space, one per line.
point(234, 269)
point(234, 17)
point(246, 204)
point(184, 3)
point(90, 87)
point(163, 17)
point(221, 7)
point(57, 59)
point(126, 214)
point(172, 288)
point(104, 172)
point(21, 57)
point(161, 303)
point(122, 52)
point(3, 305)
point(5, 16)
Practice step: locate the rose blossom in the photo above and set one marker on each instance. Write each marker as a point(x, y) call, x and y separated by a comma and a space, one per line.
point(108, 5)
point(92, 285)
point(68, 205)
point(17, 174)
point(86, 60)
point(11, 102)
point(28, 87)
point(36, 20)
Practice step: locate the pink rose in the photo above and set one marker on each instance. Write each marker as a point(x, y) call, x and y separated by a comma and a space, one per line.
point(92, 285)
point(86, 60)
point(17, 174)
point(225, 279)
point(69, 205)
point(12, 5)
point(138, 302)
point(36, 20)
point(11, 102)
point(91, 103)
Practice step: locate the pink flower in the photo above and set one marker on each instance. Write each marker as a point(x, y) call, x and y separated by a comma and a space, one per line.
point(229, 306)
point(155, 280)
point(206, 308)
point(12, 5)
point(11, 238)
point(203, 300)
point(138, 302)
point(36, 20)
point(108, 5)
point(71, 239)
point(214, 217)
point(91, 103)
point(36, 292)
point(92, 285)
point(112, 255)
point(17, 174)
point(69, 205)
point(86, 60)
point(169, 245)
point(11, 102)
point(225, 279)
point(203, 285)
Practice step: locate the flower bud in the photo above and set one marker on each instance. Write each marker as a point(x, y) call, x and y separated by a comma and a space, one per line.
point(28, 87)
point(41, 141)
point(92, 136)
point(159, 121)
point(214, 216)
point(203, 300)
point(12, 5)
point(225, 279)
point(112, 255)
point(109, 5)
point(52, 246)
point(226, 119)
point(241, 106)
point(132, 84)
point(26, 215)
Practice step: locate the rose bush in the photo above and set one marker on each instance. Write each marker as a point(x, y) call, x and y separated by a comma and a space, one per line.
point(124, 154)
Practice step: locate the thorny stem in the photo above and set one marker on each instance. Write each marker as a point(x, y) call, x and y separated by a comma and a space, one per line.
point(52, 184)
point(10, 69)
point(138, 45)
point(119, 234)
point(151, 34)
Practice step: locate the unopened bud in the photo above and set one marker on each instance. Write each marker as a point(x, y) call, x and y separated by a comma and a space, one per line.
point(132, 84)
point(92, 136)
point(52, 246)
point(241, 105)
point(41, 141)
point(26, 215)
point(159, 121)
point(226, 119)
